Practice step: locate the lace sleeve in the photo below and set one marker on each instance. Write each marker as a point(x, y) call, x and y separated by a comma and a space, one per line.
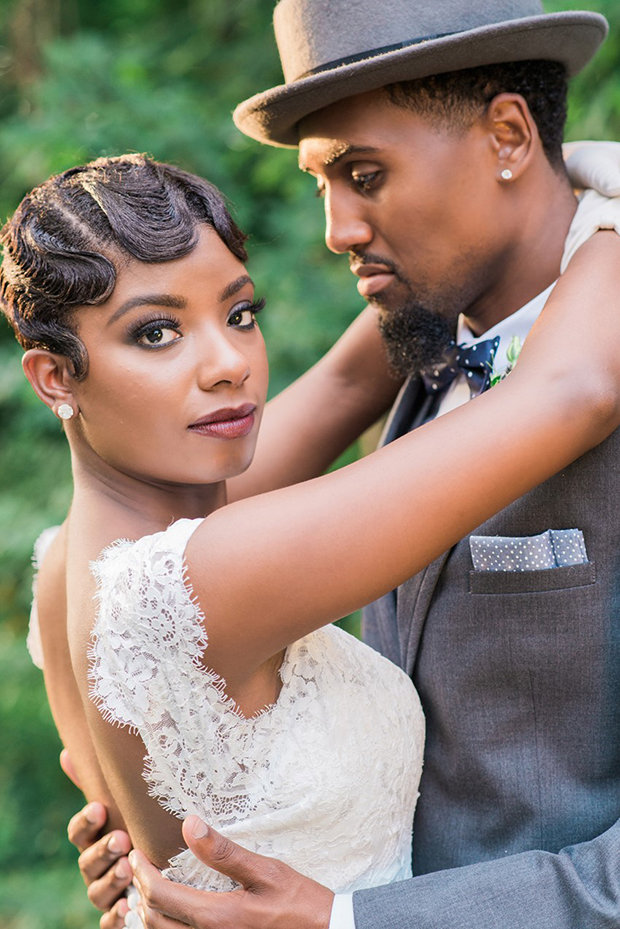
point(146, 655)
point(33, 641)
point(146, 622)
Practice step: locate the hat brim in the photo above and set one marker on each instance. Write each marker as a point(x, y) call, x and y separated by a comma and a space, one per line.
point(570, 38)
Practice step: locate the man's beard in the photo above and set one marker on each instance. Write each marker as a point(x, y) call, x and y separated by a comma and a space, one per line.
point(418, 322)
point(414, 337)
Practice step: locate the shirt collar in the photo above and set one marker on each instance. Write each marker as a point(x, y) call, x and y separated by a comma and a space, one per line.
point(517, 324)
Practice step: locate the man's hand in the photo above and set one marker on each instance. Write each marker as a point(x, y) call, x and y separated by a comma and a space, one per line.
point(103, 861)
point(272, 896)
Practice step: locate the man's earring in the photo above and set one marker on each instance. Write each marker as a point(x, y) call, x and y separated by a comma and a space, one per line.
point(506, 174)
point(65, 411)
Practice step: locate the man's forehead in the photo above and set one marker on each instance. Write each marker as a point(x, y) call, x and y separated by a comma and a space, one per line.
point(341, 128)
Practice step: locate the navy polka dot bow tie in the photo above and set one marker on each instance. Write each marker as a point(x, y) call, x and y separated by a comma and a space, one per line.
point(474, 361)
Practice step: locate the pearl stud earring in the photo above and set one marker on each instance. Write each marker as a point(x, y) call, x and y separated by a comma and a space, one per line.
point(507, 174)
point(65, 411)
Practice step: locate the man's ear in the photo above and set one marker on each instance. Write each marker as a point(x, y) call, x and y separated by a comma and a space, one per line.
point(513, 135)
point(50, 378)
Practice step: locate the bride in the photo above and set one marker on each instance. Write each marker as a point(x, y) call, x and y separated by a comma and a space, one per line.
point(188, 655)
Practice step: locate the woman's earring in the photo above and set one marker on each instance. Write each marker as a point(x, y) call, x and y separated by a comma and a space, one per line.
point(65, 411)
point(506, 174)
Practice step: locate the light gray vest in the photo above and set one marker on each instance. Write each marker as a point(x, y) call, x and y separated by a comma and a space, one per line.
point(519, 675)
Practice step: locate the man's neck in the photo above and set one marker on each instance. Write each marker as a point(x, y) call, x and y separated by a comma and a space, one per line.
point(531, 263)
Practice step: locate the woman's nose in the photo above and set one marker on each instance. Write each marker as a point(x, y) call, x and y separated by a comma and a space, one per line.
point(222, 362)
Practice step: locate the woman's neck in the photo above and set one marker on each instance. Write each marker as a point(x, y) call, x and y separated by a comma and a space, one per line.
point(123, 506)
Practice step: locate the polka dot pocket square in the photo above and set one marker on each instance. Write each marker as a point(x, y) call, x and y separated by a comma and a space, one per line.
point(555, 548)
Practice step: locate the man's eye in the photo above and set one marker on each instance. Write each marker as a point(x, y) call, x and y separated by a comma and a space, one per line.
point(365, 181)
point(158, 335)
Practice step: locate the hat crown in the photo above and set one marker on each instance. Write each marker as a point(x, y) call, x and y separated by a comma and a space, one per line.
point(314, 33)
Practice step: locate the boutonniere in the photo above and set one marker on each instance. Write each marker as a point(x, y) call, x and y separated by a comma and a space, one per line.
point(512, 354)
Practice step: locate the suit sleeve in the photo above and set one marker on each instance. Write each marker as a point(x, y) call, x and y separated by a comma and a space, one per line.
point(578, 888)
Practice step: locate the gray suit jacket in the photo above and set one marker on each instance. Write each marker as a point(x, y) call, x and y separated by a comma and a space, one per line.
point(519, 676)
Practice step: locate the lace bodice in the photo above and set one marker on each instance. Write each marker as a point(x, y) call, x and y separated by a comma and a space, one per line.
point(325, 779)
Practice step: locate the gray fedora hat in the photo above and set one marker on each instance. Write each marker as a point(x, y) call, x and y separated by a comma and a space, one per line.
point(332, 49)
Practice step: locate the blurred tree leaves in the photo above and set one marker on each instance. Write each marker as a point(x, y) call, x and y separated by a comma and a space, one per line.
point(594, 110)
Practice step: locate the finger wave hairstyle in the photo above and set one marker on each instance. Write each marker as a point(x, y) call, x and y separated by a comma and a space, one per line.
point(68, 237)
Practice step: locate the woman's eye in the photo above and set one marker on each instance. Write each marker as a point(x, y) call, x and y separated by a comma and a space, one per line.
point(243, 319)
point(158, 335)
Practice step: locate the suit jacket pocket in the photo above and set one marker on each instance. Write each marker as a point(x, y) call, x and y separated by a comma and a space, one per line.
point(522, 582)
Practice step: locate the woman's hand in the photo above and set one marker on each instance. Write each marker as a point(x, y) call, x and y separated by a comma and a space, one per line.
point(273, 896)
point(594, 165)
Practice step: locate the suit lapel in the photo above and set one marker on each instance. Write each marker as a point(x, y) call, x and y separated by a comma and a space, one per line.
point(407, 412)
point(403, 417)
point(413, 601)
point(401, 613)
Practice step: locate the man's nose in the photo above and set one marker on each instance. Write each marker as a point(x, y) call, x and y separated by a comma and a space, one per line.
point(346, 228)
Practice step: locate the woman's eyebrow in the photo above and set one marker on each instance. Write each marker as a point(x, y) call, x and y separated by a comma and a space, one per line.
point(176, 303)
point(234, 287)
point(168, 300)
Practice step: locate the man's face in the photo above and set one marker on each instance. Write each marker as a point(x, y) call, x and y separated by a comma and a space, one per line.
point(418, 209)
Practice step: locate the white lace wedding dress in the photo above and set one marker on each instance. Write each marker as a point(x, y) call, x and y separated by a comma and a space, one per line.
point(326, 779)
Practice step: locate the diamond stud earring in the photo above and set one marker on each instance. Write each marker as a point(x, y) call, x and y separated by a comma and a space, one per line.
point(65, 411)
point(507, 174)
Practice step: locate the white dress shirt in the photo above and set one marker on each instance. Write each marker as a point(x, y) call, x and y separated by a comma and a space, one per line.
point(519, 324)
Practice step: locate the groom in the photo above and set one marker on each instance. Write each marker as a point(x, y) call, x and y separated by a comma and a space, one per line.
point(434, 132)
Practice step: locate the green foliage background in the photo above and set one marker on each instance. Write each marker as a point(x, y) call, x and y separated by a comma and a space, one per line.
point(79, 79)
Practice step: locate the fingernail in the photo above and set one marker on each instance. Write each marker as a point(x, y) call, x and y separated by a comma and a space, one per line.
point(114, 845)
point(91, 813)
point(200, 829)
point(122, 871)
point(133, 861)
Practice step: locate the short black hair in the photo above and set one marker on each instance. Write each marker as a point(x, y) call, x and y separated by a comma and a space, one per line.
point(63, 245)
point(458, 98)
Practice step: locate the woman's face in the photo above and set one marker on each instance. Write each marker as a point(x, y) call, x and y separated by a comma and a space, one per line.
point(177, 372)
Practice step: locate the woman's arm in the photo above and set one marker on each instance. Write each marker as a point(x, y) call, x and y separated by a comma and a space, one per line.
point(271, 569)
point(306, 427)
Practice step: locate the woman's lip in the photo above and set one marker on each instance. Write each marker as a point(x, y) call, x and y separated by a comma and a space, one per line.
point(226, 414)
point(226, 428)
point(227, 423)
point(373, 283)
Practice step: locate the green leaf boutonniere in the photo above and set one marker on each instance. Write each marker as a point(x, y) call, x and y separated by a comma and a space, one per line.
point(512, 354)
